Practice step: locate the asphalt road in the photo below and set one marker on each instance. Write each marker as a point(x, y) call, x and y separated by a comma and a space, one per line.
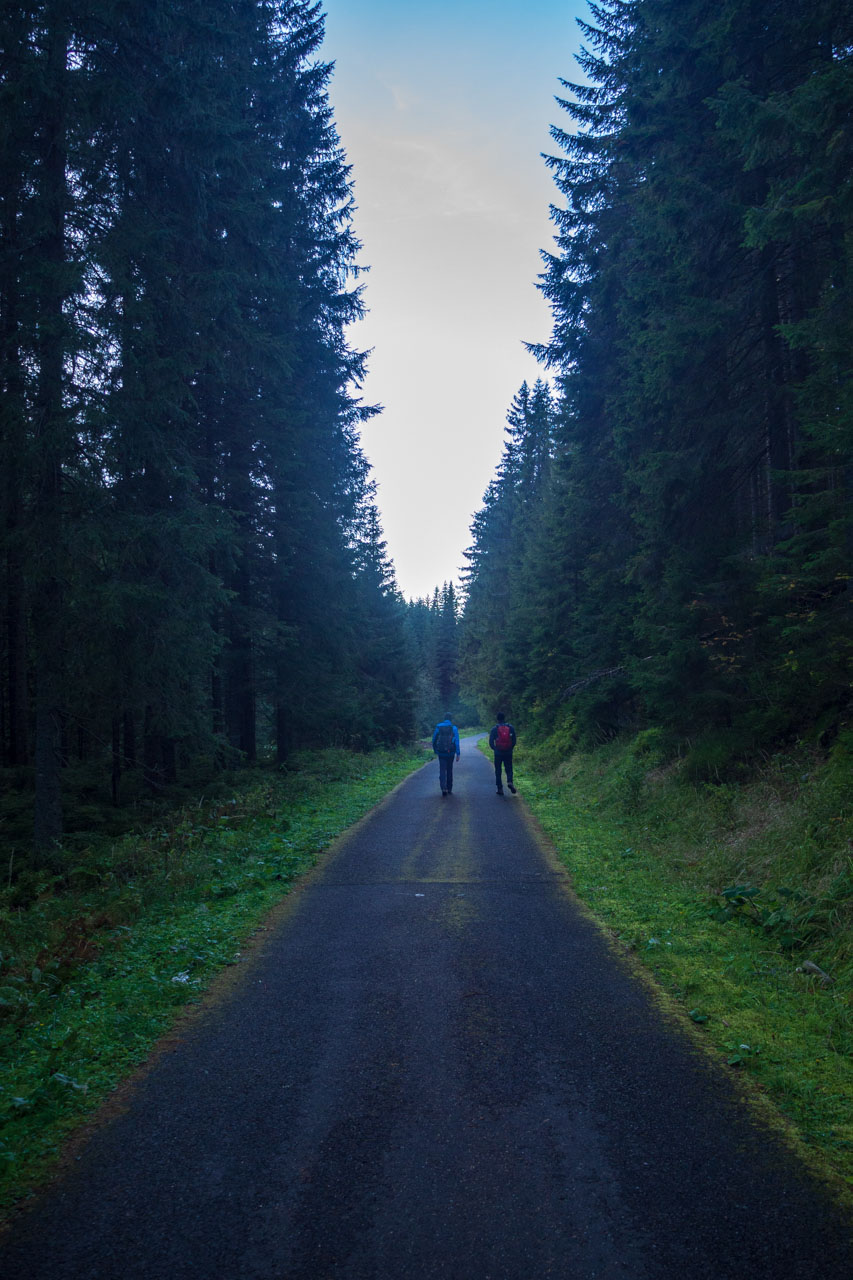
point(435, 1068)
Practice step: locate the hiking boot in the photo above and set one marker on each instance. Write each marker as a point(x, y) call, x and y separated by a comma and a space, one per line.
point(500, 791)
point(511, 787)
point(443, 792)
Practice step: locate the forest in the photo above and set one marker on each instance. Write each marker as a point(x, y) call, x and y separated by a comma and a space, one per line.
point(207, 669)
point(193, 567)
point(667, 541)
point(194, 570)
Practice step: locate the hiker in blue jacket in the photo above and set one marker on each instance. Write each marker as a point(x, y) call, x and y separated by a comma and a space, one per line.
point(502, 741)
point(445, 744)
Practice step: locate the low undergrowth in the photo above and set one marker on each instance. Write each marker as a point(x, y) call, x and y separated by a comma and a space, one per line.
point(94, 964)
point(738, 898)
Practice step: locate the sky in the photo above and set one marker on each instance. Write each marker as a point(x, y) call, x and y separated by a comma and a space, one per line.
point(443, 108)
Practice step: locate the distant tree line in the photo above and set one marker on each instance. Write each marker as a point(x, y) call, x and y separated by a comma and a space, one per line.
point(668, 542)
point(192, 563)
point(433, 629)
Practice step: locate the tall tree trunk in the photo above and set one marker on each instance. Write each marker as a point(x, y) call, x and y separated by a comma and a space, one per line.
point(240, 684)
point(240, 691)
point(115, 778)
point(777, 457)
point(216, 704)
point(151, 751)
point(14, 155)
point(282, 713)
point(13, 438)
point(17, 746)
point(50, 430)
point(129, 729)
point(169, 757)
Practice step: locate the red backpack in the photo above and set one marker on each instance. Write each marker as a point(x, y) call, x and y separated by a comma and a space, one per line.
point(503, 738)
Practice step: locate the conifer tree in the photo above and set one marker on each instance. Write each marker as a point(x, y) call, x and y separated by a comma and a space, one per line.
point(692, 540)
point(498, 621)
point(184, 494)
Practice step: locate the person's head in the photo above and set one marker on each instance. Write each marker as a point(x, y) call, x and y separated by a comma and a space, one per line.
point(501, 717)
point(449, 717)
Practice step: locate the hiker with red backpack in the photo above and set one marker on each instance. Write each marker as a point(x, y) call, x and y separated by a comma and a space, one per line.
point(502, 741)
point(445, 744)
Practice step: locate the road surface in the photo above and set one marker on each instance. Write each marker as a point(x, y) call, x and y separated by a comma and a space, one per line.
point(435, 1069)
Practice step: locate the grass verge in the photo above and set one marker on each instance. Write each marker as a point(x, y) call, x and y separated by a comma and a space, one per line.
point(737, 899)
point(92, 972)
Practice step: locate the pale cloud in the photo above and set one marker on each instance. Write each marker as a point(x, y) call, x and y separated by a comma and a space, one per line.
point(444, 176)
point(402, 97)
point(443, 112)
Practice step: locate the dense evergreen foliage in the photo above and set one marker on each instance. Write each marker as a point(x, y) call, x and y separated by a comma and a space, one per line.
point(679, 553)
point(433, 627)
point(192, 562)
point(498, 627)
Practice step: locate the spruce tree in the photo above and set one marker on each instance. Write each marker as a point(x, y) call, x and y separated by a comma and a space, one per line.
point(184, 494)
point(692, 539)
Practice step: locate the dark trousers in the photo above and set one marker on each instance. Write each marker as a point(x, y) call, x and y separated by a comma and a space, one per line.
point(503, 758)
point(445, 772)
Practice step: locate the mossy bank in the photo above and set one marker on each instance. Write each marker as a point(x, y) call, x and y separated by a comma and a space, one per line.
point(736, 896)
point(95, 967)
